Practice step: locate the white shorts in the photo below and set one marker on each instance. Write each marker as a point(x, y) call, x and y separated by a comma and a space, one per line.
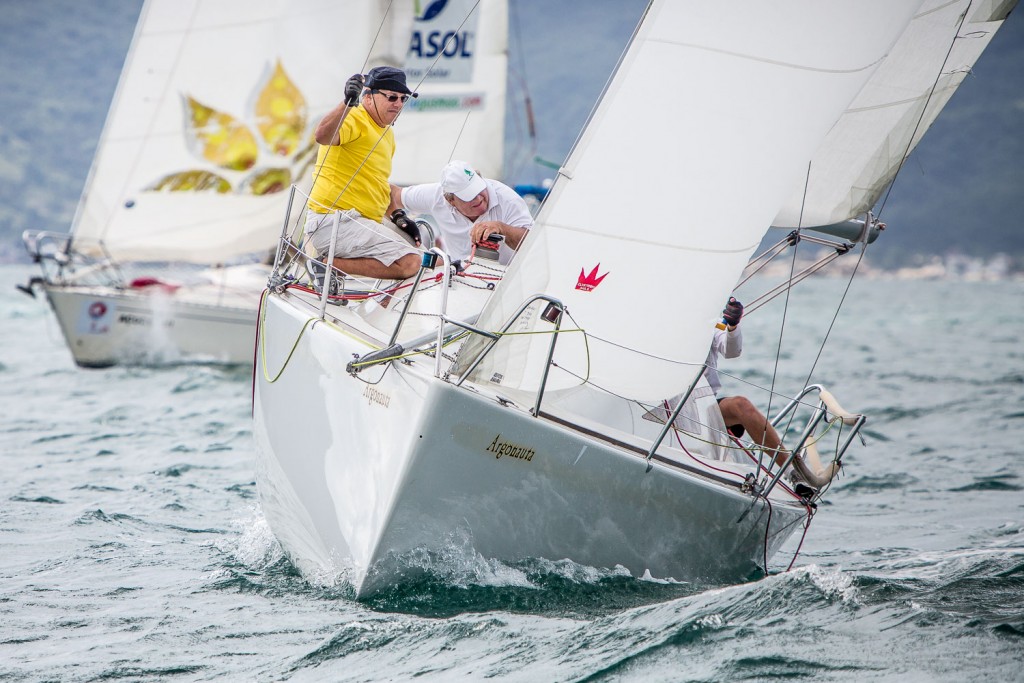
point(358, 237)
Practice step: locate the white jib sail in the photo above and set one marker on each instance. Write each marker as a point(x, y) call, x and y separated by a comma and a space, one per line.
point(217, 100)
point(862, 153)
point(705, 128)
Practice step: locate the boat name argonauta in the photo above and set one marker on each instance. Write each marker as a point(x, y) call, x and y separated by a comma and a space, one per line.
point(512, 450)
point(376, 396)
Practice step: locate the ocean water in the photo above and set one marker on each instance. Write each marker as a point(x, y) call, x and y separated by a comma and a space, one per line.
point(132, 547)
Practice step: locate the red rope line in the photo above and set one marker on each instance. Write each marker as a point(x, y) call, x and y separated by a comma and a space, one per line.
point(763, 469)
point(807, 526)
point(768, 502)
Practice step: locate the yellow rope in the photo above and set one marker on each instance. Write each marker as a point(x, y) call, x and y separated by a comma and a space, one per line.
point(295, 344)
point(263, 354)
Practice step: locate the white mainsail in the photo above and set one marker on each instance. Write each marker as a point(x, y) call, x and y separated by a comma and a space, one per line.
point(864, 150)
point(704, 130)
point(217, 100)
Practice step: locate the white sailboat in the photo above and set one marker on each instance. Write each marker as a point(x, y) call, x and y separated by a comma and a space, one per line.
point(520, 422)
point(210, 125)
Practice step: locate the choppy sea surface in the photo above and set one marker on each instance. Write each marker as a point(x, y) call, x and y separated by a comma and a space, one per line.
point(132, 547)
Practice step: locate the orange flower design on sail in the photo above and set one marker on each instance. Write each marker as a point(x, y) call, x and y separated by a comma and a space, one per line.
point(220, 138)
point(281, 113)
point(280, 118)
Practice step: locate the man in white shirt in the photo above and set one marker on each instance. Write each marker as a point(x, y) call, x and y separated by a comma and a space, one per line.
point(466, 209)
point(740, 415)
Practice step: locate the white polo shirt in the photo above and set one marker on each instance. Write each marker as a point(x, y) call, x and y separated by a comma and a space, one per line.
point(503, 205)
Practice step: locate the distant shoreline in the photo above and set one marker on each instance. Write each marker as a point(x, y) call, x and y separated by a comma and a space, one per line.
point(999, 267)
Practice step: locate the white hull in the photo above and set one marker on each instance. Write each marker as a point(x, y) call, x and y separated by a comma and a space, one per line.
point(354, 472)
point(153, 325)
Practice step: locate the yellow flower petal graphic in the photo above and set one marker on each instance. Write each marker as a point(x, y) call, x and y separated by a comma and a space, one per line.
point(191, 181)
point(280, 113)
point(266, 181)
point(219, 137)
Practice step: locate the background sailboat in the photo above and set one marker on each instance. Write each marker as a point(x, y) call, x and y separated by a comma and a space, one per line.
point(210, 125)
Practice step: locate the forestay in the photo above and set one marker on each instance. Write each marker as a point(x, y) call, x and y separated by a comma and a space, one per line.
point(862, 153)
point(706, 127)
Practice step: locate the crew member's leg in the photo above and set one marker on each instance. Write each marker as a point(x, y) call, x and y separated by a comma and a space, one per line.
point(739, 410)
point(405, 267)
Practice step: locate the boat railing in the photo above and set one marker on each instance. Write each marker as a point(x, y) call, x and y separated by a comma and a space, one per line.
point(552, 314)
point(671, 421)
point(825, 406)
point(290, 261)
point(57, 251)
point(44, 244)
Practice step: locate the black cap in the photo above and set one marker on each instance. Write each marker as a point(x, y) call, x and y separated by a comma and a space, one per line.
point(387, 78)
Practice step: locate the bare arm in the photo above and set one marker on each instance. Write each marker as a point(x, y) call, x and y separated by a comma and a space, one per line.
point(327, 131)
point(396, 199)
point(513, 235)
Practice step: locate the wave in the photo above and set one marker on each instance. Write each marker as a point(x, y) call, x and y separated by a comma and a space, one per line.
point(998, 482)
point(538, 620)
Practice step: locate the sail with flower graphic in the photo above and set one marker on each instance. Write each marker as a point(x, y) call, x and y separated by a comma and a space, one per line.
point(210, 128)
point(212, 123)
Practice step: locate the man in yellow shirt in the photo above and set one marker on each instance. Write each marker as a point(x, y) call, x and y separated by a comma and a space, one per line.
point(351, 175)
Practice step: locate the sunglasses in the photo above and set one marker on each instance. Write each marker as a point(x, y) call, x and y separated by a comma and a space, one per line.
point(391, 98)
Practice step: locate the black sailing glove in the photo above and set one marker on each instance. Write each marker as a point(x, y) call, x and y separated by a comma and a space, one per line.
point(353, 89)
point(732, 312)
point(406, 225)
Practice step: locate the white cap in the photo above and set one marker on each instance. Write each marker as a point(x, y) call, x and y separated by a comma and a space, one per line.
point(459, 179)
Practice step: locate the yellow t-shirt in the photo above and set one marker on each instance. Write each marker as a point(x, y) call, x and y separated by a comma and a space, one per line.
point(368, 192)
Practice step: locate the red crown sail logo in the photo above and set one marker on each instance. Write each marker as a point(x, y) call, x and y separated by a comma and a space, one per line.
point(589, 281)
